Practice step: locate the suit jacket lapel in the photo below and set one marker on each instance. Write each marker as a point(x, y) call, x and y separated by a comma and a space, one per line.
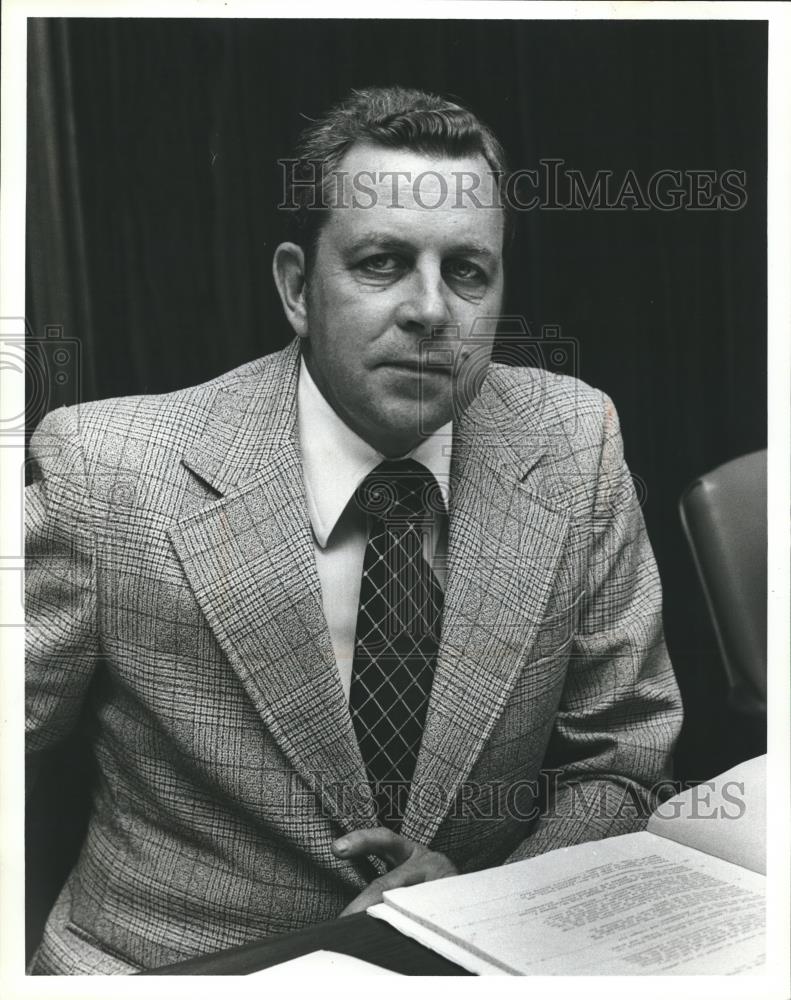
point(504, 545)
point(249, 559)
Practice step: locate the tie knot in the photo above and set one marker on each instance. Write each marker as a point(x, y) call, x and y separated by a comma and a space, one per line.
point(402, 490)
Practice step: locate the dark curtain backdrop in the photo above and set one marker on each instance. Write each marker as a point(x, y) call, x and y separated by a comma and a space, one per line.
point(152, 218)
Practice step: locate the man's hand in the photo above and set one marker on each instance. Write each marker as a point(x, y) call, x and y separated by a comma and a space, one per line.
point(411, 863)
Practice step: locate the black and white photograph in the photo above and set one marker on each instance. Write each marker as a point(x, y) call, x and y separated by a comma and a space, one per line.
point(396, 579)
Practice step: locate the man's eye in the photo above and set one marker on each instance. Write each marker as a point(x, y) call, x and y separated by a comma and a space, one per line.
point(381, 263)
point(463, 270)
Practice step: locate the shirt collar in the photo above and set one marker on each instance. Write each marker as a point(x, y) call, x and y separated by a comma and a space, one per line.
point(335, 460)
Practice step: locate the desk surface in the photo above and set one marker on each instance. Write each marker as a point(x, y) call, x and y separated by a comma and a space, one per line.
point(358, 935)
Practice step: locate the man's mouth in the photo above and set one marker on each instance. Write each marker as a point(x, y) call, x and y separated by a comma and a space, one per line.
point(417, 367)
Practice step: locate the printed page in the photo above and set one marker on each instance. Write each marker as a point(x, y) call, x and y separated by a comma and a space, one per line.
point(725, 817)
point(324, 963)
point(630, 905)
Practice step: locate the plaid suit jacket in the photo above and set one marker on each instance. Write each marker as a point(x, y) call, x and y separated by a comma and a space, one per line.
point(172, 587)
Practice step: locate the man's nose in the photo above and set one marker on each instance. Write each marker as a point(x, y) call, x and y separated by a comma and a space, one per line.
point(425, 304)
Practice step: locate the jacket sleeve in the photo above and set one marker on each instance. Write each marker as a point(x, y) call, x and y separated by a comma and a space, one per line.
point(620, 711)
point(60, 586)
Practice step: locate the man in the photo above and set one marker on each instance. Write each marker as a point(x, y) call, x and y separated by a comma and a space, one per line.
point(334, 611)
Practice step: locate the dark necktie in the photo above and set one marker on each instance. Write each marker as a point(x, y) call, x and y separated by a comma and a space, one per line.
point(398, 626)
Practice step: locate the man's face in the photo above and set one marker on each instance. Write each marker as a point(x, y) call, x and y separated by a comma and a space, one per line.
point(387, 278)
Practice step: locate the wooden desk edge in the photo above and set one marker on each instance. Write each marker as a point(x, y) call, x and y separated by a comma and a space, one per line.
point(359, 935)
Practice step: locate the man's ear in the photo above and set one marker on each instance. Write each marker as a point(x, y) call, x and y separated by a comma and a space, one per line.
point(288, 268)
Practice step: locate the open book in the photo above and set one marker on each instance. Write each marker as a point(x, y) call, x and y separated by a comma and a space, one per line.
point(684, 897)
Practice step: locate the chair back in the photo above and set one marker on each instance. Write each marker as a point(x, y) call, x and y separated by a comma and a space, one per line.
point(56, 820)
point(724, 517)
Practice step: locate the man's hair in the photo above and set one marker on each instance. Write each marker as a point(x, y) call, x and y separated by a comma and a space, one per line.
point(396, 117)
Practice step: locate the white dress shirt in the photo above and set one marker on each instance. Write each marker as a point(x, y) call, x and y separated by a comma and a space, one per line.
point(335, 461)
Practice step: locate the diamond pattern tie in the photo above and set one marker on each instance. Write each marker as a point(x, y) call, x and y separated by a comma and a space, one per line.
point(398, 626)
